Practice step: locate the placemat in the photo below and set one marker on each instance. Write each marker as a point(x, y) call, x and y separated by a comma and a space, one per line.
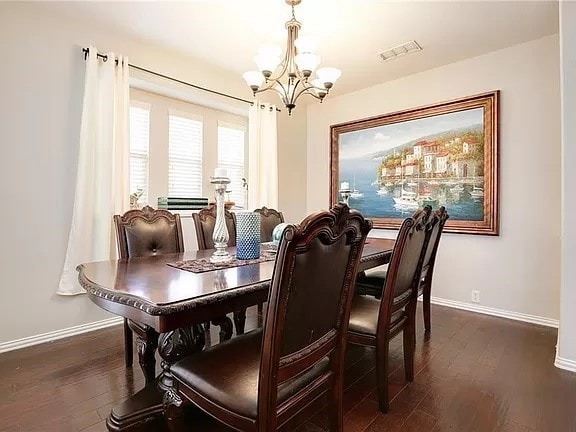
point(204, 265)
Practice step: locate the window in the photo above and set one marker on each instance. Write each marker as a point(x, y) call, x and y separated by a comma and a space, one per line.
point(231, 140)
point(139, 143)
point(184, 156)
point(175, 146)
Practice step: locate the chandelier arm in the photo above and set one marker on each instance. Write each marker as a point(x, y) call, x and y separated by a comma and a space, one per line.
point(283, 94)
point(304, 90)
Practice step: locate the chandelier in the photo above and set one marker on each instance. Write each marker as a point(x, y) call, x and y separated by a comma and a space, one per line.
point(290, 77)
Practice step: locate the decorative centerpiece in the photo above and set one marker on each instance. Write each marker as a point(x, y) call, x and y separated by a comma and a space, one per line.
point(134, 197)
point(277, 233)
point(345, 191)
point(247, 235)
point(220, 235)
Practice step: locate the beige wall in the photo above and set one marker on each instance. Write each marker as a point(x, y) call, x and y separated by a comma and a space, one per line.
point(519, 270)
point(41, 83)
point(567, 336)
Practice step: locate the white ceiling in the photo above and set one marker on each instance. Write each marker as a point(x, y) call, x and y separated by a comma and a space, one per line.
point(349, 33)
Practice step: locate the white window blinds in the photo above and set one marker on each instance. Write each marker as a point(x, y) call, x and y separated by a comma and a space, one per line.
point(231, 156)
point(184, 157)
point(139, 144)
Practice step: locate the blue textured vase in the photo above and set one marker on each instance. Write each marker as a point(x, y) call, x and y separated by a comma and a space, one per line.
point(247, 235)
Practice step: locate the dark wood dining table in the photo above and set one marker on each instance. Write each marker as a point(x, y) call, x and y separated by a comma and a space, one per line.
point(170, 305)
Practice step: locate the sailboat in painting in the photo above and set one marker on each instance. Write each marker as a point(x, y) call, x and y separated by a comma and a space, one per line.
point(356, 194)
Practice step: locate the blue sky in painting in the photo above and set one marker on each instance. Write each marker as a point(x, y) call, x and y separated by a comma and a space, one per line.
point(365, 142)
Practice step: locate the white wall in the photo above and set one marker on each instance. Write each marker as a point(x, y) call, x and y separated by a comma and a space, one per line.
point(566, 356)
point(519, 270)
point(41, 83)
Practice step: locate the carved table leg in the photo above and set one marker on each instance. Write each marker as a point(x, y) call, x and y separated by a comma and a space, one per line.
point(147, 407)
point(226, 327)
point(240, 321)
point(174, 346)
point(147, 342)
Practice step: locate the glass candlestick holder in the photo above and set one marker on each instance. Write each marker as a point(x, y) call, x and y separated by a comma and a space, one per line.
point(220, 235)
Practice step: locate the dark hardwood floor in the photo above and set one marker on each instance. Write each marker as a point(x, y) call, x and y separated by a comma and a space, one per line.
point(474, 373)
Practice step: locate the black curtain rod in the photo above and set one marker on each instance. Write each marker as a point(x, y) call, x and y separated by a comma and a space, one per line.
point(104, 57)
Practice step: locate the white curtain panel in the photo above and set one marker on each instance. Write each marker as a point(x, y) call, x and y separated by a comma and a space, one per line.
point(102, 183)
point(263, 156)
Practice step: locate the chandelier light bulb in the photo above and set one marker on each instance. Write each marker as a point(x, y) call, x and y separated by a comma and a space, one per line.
point(307, 62)
point(267, 63)
point(254, 79)
point(319, 88)
point(328, 75)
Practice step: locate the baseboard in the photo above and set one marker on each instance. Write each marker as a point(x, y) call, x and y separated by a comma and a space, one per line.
point(548, 322)
point(562, 363)
point(59, 334)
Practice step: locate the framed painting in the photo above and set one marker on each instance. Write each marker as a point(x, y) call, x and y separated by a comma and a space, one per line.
point(442, 155)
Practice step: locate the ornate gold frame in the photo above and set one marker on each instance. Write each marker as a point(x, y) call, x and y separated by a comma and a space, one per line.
point(490, 102)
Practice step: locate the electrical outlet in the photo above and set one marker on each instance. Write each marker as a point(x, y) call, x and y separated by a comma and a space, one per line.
point(475, 296)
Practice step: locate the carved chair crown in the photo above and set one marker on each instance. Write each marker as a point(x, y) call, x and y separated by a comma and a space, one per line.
point(135, 239)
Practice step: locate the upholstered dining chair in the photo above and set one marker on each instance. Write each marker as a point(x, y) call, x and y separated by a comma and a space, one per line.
point(142, 233)
point(204, 222)
point(269, 218)
point(374, 322)
point(258, 381)
point(372, 283)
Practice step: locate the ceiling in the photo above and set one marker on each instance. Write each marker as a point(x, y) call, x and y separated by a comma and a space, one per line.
point(349, 33)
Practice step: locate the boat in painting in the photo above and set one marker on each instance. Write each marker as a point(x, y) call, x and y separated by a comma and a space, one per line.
point(407, 200)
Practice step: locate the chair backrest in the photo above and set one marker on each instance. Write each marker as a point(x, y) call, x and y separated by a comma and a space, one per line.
point(403, 275)
point(433, 242)
point(204, 222)
point(148, 232)
point(269, 218)
point(309, 301)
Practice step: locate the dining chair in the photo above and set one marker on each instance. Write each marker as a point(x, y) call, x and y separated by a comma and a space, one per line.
point(269, 219)
point(204, 223)
point(260, 380)
point(143, 233)
point(372, 283)
point(374, 322)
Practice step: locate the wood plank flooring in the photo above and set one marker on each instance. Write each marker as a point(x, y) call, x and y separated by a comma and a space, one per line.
point(474, 373)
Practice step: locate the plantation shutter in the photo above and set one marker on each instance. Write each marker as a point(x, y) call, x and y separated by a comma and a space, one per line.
point(139, 144)
point(184, 157)
point(231, 141)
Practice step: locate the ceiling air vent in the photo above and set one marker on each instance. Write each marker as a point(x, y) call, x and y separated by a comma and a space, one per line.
point(400, 50)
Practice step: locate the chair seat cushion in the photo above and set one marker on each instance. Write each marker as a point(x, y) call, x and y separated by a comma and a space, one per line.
point(371, 283)
point(364, 315)
point(375, 278)
point(228, 374)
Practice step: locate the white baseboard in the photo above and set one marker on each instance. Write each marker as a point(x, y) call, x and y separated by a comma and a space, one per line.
point(562, 363)
point(84, 328)
point(548, 322)
point(59, 334)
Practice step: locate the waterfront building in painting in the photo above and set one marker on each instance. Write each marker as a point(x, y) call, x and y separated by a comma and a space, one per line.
point(444, 157)
point(442, 162)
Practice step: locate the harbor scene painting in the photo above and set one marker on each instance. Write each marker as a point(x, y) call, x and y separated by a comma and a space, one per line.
point(443, 155)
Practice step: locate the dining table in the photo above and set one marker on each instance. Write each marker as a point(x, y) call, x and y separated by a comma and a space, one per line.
point(168, 306)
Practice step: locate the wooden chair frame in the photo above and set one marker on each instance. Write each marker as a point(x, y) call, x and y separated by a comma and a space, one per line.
point(148, 215)
point(275, 369)
point(389, 305)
